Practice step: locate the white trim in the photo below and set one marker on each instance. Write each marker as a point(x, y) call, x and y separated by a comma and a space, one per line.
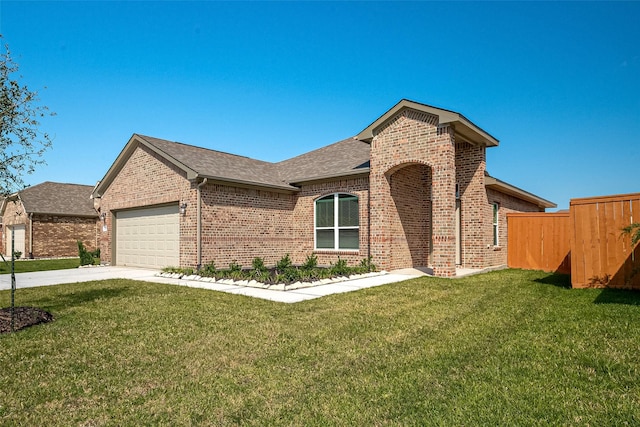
point(495, 223)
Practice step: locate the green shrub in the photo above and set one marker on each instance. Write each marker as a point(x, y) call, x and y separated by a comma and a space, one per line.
point(234, 267)
point(291, 275)
point(309, 275)
point(261, 276)
point(284, 272)
point(86, 257)
point(366, 266)
point(310, 263)
point(17, 254)
point(340, 268)
point(284, 263)
point(258, 265)
point(209, 269)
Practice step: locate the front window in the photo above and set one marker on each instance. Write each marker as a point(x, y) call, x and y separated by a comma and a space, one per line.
point(337, 224)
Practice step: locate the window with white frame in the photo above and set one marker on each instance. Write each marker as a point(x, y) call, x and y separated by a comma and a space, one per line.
point(496, 208)
point(337, 222)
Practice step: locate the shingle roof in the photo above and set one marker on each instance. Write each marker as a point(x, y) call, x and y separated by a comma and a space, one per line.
point(342, 158)
point(58, 198)
point(219, 165)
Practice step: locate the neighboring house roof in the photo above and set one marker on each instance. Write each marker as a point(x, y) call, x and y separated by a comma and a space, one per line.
point(57, 199)
point(464, 129)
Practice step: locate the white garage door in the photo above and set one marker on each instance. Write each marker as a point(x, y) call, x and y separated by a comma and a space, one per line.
point(18, 236)
point(148, 237)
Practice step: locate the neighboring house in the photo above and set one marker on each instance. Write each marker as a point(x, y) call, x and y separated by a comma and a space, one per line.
point(410, 190)
point(48, 219)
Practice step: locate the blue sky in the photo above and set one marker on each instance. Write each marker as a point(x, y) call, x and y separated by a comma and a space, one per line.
point(558, 83)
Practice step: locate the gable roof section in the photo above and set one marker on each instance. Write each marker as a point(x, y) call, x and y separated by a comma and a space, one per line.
point(198, 162)
point(465, 130)
point(56, 199)
point(219, 166)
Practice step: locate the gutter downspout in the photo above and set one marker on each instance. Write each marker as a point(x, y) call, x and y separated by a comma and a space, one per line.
point(199, 223)
point(369, 260)
point(30, 235)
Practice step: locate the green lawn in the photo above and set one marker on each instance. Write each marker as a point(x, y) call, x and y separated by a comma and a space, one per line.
point(27, 265)
point(504, 348)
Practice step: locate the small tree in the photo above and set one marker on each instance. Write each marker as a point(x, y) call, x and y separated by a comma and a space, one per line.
point(22, 144)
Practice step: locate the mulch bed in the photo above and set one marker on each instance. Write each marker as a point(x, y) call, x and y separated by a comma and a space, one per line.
point(24, 317)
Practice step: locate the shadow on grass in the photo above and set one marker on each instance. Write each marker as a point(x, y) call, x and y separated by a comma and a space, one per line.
point(556, 279)
point(74, 299)
point(618, 296)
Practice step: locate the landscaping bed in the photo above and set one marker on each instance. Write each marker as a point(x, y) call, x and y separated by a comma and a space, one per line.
point(23, 318)
point(283, 276)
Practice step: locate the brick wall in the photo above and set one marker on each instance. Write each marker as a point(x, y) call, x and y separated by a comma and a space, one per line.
point(147, 180)
point(475, 219)
point(57, 236)
point(239, 224)
point(413, 137)
point(303, 217)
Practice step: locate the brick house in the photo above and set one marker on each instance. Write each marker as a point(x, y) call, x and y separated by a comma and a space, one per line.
point(48, 219)
point(410, 190)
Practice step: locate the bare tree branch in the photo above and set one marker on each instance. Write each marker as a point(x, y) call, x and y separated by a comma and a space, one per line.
point(22, 144)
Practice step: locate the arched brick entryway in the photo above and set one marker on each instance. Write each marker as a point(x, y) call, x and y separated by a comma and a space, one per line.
point(409, 220)
point(403, 148)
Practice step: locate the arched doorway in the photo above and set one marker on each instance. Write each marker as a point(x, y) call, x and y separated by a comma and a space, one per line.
point(410, 219)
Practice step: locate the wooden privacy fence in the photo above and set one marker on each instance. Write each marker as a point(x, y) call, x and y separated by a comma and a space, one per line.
point(587, 242)
point(539, 241)
point(601, 256)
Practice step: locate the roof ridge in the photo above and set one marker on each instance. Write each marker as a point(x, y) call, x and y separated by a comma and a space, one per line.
point(351, 138)
point(146, 138)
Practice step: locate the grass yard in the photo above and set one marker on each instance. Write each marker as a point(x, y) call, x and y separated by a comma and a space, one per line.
point(505, 348)
point(27, 266)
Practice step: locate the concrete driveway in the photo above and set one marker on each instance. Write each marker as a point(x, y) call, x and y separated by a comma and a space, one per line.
point(74, 275)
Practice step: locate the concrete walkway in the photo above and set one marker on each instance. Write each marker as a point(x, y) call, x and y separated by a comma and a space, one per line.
point(76, 275)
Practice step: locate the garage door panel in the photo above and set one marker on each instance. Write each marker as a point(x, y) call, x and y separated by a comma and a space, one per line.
point(148, 237)
point(19, 234)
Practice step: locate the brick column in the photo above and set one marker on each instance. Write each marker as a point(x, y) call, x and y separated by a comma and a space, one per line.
point(444, 202)
point(380, 198)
